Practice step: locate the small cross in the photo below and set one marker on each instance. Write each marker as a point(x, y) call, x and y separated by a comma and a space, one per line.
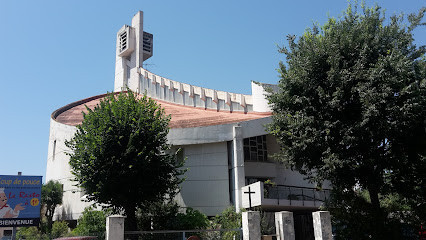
point(249, 195)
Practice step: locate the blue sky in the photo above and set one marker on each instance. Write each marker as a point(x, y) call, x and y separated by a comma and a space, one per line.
point(56, 52)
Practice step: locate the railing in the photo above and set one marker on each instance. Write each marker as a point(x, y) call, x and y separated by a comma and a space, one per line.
point(204, 234)
point(293, 193)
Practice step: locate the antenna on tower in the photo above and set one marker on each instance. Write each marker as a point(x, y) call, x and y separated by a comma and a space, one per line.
point(145, 65)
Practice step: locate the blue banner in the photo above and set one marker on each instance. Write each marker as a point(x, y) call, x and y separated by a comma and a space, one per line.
point(20, 198)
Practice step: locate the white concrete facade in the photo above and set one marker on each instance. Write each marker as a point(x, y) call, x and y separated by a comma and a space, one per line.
point(206, 186)
point(218, 169)
point(59, 169)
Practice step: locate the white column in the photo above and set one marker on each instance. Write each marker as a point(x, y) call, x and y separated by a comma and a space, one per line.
point(238, 166)
point(260, 103)
point(251, 225)
point(134, 81)
point(115, 227)
point(284, 225)
point(120, 80)
point(137, 24)
point(322, 225)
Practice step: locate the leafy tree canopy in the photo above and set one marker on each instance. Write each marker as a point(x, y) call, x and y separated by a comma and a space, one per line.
point(351, 108)
point(120, 155)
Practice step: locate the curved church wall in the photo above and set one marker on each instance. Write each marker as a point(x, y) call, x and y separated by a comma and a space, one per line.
point(59, 169)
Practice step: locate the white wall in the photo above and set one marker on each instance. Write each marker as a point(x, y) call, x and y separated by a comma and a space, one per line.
point(206, 187)
point(59, 169)
point(260, 103)
point(285, 176)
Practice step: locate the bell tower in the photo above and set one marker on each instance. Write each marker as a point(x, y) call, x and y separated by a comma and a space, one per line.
point(133, 47)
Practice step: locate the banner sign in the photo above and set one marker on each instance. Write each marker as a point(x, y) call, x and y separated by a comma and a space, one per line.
point(20, 198)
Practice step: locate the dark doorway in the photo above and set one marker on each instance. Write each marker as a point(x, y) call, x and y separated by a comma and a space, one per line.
point(303, 226)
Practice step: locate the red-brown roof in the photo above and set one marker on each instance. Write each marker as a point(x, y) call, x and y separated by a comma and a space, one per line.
point(181, 116)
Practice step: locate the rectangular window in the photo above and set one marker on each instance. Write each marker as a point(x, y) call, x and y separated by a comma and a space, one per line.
point(147, 42)
point(123, 41)
point(255, 149)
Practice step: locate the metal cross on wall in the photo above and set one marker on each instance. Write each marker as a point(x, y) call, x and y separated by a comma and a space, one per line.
point(249, 195)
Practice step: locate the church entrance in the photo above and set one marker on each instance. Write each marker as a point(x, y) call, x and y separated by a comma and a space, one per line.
point(303, 226)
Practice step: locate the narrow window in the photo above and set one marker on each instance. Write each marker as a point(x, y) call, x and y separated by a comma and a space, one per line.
point(128, 72)
point(54, 150)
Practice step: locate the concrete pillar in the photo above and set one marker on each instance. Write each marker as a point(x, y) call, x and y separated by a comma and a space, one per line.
point(137, 24)
point(284, 225)
point(120, 81)
point(322, 225)
point(251, 225)
point(237, 166)
point(115, 227)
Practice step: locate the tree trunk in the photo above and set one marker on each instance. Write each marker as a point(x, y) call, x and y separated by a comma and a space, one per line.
point(377, 213)
point(131, 221)
point(49, 215)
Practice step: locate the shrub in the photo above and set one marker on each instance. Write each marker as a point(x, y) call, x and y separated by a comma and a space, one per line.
point(228, 219)
point(91, 223)
point(30, 233)
point(59, 229)
point(191, 219)
point(167, 216)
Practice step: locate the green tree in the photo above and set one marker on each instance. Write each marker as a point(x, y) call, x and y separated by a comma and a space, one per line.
point(351, 108)
point(120, 155)
point(51, 196)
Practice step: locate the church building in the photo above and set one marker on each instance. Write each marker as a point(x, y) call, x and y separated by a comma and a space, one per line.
point(222, 135)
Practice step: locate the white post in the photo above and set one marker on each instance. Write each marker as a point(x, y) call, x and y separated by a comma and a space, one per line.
point(284, 225)
point(115, 227)
point(251, 225)
point(238, 166)
point(322, 225)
